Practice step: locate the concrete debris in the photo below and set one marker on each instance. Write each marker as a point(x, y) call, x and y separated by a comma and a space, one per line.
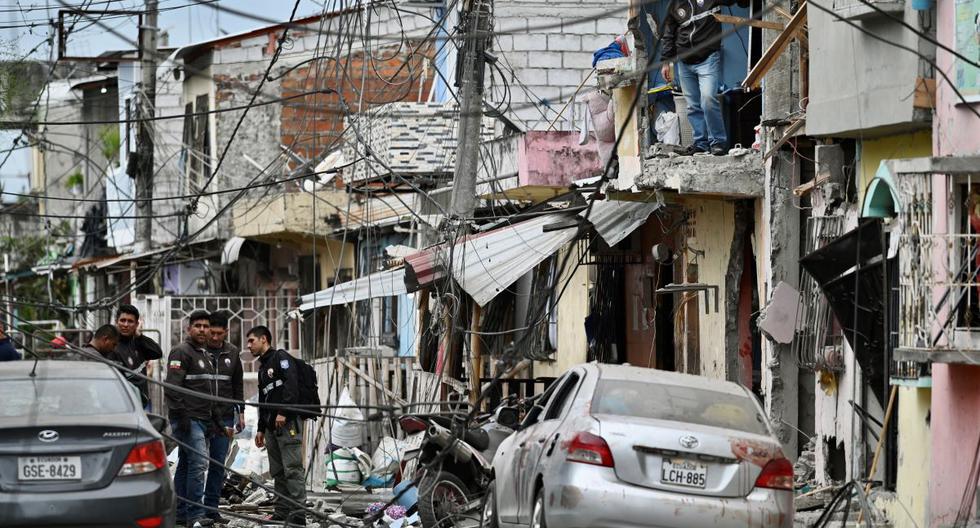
point(778, 320)
point(804, 470)
point(735, 176)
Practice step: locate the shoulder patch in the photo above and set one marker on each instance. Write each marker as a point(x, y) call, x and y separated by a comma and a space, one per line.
point(174, 364)
point(228, 362)
point(284, 363)
point(200, 363)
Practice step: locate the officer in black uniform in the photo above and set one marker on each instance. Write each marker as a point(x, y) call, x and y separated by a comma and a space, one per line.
point(279, 429)
point(192, 418)
point(134, 349)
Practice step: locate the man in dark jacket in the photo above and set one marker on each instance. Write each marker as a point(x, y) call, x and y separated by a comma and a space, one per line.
point(191, 366)
point(7, 350)
point(231, 419)
point(103, 343)
point(134, 349)
point(692, 38)
point(280, 429)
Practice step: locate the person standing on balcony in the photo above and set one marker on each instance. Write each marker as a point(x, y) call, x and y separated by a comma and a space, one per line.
point(692, 41)
point(231, 417)
point(135, 349)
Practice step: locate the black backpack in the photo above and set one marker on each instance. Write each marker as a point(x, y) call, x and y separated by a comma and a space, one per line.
point(309, 392)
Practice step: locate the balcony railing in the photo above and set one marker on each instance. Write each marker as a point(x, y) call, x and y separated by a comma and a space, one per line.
point(939, 298)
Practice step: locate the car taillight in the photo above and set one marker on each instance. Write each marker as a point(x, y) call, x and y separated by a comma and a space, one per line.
point(588, 448)
point(150, 522)
point(144, 458)
point(412, 425)
point(778, 474)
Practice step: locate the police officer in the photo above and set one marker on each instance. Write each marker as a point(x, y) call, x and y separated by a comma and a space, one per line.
point(135, 349)
point(191, 366)
point(279, 429)
point(231, 419)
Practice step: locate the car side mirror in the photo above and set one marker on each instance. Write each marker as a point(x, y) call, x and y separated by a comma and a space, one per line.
point(158, 422)
point(508, 417)
point(532, 416)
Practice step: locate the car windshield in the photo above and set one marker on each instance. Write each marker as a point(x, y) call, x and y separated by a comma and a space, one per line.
point(678, 403)
point(63, 397)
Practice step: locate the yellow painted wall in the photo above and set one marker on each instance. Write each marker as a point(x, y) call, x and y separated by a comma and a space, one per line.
point(873, 151)
point(332, 254)
point(573, 308)
point(914, 441)
point(714, 227)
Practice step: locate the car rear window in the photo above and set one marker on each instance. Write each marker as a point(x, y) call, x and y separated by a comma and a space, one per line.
point(678, 403)
point(63, 397)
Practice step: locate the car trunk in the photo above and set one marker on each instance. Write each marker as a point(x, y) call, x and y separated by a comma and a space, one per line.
point(83, 457)
point(678, 457)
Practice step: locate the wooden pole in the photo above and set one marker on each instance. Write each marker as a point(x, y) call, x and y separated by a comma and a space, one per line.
point(881, 442)
point(476, 354)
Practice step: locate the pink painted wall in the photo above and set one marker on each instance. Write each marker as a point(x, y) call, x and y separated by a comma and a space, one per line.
point(955, 430)
point(556, 158)
point(956, 130)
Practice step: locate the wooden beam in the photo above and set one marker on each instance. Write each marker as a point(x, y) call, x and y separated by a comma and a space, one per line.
point(739, 21)
point(925, 93)
point(806, 188)
point(476, 354)
point(371, 381)
point(787, 135)
point(768, 59)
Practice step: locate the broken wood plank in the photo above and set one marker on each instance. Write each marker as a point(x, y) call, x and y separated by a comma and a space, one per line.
point(740, 21)
point(768, 59)
point(925, 93)
point(806, 188)
point(782, 12)
point(790, 131)
point(358, 373)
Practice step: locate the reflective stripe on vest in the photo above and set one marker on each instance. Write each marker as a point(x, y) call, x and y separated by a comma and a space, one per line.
point(699, 16)
point(212, 377)
point(271, 385)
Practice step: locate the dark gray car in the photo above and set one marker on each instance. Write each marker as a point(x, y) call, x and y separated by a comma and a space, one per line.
point(76, 449)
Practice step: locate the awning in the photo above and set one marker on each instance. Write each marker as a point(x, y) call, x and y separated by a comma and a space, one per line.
point(386, 283)
point(488, 263)
point(614, 220)
point(233, 248)
point(108, 262)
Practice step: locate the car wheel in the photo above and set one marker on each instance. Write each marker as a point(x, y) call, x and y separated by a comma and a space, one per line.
point(488, 519)
point(442, 498)
point(537, 517)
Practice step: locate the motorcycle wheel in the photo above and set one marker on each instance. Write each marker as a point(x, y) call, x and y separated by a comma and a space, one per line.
point(441, 498)
point(488, 516)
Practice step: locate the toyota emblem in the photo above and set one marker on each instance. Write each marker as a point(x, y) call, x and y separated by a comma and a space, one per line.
point(48, 435)
point(689, 442)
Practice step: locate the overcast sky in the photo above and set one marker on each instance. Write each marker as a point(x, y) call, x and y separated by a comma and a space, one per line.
point(25, 29)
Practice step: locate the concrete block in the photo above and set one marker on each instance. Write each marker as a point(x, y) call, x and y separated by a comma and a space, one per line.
point(260, 41)
point(254, 54)
point(564, 42)
point(504, 43)
point(579, 60)
point(518, 59)
point(591, 43)
point(232, 55)
point(544, 25)
point(532, 76)
point(615, 26)
point(511, 25)
point(778, 320)
point(532, 42)
point(545, 59)
point(574, 26)
point(563, 77)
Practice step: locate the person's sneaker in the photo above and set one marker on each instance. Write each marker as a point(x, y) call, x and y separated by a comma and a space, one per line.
point(692, 150)
point(203, 522)
point(719, 150)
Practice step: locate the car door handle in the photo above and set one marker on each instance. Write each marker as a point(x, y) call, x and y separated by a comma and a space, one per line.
point(540, 440)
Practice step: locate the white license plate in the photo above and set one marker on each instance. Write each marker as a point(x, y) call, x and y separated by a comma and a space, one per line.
point(682, 472)
point(49, 468)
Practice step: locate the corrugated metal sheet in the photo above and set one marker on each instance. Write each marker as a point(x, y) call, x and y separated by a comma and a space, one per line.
point(487, 264)
point(614, 220)
point(386, 283)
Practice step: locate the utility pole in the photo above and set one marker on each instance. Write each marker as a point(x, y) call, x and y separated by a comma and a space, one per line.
point(476, 30)
point(144, 138)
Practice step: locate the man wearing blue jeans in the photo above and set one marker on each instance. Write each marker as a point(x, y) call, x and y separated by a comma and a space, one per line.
point(232, 416)
point(190, 366)
point(691, 37)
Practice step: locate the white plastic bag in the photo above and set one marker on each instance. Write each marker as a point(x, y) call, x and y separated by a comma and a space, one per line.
point(346, 430)
point(387, 457)
point(668, 127)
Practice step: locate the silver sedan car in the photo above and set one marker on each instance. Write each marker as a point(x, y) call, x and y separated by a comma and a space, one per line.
point(618, 446)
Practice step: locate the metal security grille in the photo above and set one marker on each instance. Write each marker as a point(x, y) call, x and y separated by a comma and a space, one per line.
point(813, 348)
